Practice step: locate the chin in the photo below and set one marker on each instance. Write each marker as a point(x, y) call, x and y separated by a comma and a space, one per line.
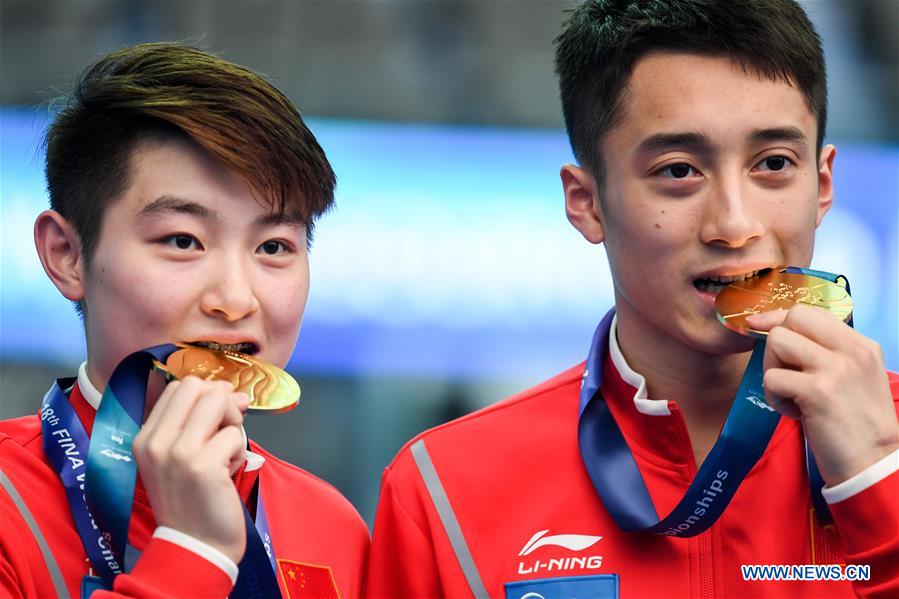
point(715, 339)
point(275, 360)
point(728, 342)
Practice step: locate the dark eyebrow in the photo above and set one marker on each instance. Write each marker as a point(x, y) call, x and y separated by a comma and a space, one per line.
point(793, 134)
point(169, 203)
point(290, 218)
point(662, 141)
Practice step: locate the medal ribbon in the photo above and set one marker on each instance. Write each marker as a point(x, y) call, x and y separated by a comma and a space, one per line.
point(100, 488)
point(746, 433)
point(65, 445)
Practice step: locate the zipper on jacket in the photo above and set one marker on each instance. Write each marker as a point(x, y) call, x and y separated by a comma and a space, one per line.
point(706, 564)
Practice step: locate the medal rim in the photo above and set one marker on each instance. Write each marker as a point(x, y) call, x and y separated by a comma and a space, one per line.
point(775, 275)
point(285, 380)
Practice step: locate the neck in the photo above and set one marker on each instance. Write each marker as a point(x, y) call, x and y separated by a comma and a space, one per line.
point(702, 384)
point(155, 386)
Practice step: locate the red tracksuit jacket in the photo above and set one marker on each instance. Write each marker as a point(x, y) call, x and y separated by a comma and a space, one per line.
point(320, 541)
point(526, 509)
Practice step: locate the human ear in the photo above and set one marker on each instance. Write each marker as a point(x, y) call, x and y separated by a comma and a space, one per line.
point(825, 182)
point(59, 249)
point(582, 202)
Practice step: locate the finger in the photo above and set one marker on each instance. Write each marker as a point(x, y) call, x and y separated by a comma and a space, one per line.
point(164, 397)
point(176, 409)
point(819, 325)
point(213, 411)
point(237, 403)
point(243, 401)
point(171, 416)
point(782, 387)
point(240, 403)
point(786, 347)
point(765, 321)
point(226, 447)
point(154, 438)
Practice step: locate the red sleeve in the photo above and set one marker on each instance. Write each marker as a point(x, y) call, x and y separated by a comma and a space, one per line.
point(168, 570)
point(356, 557)
point(869, 521)
point(402, 562)
point(9, 581)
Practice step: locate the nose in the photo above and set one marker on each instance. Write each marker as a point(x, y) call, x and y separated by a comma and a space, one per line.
point(229, 292)
point(728, 219)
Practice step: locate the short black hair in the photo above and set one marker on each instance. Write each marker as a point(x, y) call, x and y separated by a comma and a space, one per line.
point(602, 40)
point(157, 91)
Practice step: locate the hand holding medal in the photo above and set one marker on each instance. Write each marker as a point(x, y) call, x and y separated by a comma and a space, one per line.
point(187, 450)
point(816, 369)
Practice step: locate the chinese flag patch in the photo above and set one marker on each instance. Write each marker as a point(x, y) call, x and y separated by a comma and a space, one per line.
point(307, 581)
point(828, 546)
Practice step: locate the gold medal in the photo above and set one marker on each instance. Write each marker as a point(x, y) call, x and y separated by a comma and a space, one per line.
point(778, 290)
point(270, 388)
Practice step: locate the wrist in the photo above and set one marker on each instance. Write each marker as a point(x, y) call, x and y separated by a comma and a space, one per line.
point(851, 469)
point(230, 548)
point(868, 477)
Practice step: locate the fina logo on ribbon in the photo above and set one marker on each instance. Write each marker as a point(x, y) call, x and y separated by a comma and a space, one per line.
point(115, 455)
point(759, 403)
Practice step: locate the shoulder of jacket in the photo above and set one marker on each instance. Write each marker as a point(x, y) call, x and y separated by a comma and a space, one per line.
point(559, 384)
point(310, 486)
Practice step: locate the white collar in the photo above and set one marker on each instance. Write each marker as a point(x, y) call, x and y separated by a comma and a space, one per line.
point(93, 397)
point(650, 407)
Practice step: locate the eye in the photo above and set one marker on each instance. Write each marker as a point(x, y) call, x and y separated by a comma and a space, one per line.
point(183, 242)
point(775, 163)
point(273, 247)
point(680, 170)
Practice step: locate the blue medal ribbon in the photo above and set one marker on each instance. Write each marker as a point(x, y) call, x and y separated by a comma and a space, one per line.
point(256, 570)
point(65, 445)
point(99, 474)
point(111, 469)
point(746, 433)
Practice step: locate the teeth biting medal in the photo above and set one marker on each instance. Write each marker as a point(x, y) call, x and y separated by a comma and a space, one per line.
point(270, 388)
point(780, 288)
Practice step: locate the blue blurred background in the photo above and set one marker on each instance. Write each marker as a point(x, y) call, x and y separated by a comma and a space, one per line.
point(448, 276)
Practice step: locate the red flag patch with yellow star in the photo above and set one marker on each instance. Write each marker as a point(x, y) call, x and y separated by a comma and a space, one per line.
point(828, 546)
point(307, 581)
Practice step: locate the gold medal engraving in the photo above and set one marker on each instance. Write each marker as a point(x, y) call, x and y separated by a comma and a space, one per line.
point(778, 290)
point(270, 388)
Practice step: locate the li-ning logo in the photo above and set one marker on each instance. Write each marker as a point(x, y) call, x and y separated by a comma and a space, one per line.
point(573, 542)
point(758, 403)
point(570, 542)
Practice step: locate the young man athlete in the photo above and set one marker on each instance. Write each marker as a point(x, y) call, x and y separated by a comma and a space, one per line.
point(698, 126)
point(183, 191)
